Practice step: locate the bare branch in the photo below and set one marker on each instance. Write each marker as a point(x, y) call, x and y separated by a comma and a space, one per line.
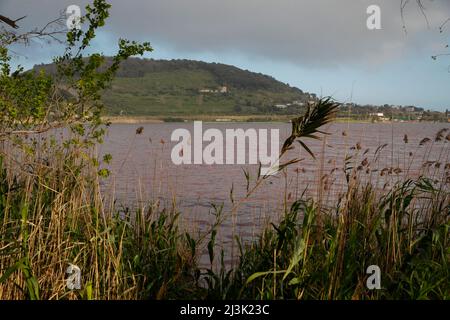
point(50, 31)
point(441, 27)
point(11, 23)
point(422, 10)
point(404, 3)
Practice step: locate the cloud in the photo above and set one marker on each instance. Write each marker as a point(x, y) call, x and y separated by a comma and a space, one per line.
point(312, 33)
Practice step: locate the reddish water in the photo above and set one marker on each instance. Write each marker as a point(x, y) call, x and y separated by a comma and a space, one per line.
point(142, 169)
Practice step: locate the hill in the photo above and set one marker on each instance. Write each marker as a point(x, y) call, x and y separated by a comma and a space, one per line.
point(174, 88)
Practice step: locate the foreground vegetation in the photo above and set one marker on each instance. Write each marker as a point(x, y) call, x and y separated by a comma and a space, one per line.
point(53, 218)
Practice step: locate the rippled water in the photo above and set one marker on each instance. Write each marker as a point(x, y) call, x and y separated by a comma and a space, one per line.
point(142, 170)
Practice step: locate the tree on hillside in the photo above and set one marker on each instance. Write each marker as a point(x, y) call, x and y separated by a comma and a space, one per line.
point(11, 23)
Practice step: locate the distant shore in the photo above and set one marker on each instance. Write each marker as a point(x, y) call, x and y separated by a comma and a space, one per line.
point(205, 118)
point(218, 118)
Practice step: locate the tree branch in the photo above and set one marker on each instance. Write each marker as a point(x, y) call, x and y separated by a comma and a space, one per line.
point(11, 23)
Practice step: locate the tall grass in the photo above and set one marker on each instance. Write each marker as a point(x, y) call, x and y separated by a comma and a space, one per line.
point(53, 215)
point(324, 254)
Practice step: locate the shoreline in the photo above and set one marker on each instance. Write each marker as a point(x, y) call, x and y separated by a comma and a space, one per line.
point(225, 119)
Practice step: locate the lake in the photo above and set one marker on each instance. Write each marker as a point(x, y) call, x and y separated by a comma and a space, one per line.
point(142, 170)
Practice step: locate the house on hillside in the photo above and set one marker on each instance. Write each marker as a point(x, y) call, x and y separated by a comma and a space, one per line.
point(298, 103)
point(378, 116)
point(222, 89)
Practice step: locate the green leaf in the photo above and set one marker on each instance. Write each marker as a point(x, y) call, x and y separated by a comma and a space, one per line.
point(89, 291)
point(261, 274)
point(296, 257)
point(211, 244)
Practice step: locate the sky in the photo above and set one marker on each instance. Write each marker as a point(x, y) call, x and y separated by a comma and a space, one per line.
point(319, 46)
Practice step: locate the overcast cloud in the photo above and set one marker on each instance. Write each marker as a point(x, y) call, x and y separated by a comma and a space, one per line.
point(319, 32)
